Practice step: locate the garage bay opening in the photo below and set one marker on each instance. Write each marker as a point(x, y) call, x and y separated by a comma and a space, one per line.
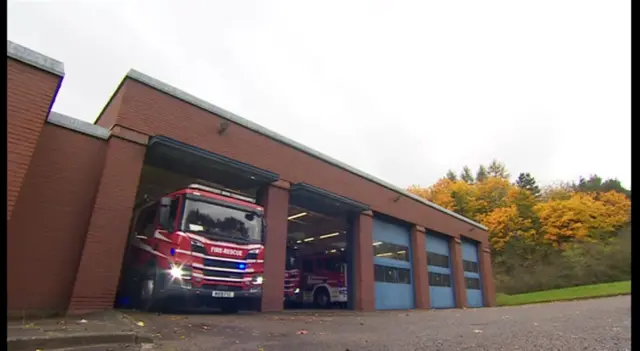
point(318, 268)
point(197, 232)
point(316, 263)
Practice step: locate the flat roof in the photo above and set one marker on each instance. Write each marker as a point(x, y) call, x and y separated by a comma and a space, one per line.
point(195, 101)
point(78, 125)
point(34, 58)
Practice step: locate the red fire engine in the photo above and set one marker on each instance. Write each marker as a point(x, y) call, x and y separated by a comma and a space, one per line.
point(199, 243)
point(319, 279)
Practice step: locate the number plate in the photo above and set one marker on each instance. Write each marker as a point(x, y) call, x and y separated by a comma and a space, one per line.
point(222, 294)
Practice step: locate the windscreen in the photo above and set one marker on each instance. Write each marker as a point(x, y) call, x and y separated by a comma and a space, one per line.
point(219, 222)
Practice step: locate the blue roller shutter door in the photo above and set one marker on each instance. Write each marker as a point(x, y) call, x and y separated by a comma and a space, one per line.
point(392, 266)
point(472, 279)
point(440, 273)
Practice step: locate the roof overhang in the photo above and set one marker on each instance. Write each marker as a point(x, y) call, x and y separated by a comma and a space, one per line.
point(321, 201)
point(178, 157)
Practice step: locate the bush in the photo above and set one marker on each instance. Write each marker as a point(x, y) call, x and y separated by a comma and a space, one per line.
point(527, 267)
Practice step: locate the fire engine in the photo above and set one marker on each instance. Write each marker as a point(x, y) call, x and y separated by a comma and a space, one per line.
point(202, 244)
point(319, 279)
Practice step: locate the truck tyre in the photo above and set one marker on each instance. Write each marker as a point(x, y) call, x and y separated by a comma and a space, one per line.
point(147, 298)
point(321, 298)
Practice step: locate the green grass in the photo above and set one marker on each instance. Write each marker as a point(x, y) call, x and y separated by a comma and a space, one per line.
point(573, 293)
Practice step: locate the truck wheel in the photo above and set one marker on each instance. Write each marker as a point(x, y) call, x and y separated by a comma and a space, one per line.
point(321, 298)
point(148, 293)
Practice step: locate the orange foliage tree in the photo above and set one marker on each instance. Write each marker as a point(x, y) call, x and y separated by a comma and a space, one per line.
point(559, 216)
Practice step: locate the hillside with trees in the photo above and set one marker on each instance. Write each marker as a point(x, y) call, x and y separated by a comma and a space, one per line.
point(567, 234)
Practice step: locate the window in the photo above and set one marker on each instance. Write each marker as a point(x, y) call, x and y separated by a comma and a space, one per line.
point(437, 260)
point(439, 279)
point(404, 276)
point(379, 273)
point(173, 210)
point(220, 222)
point(472, 283)
point(386, 274)
point(470, 266)
point(392, 251)
point(145, 224)
point(307, 266)
point(333, 265)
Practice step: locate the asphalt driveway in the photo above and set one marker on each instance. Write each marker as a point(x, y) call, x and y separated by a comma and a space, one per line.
point(600, 324)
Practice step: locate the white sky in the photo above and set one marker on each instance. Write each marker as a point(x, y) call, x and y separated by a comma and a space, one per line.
point(403, 90)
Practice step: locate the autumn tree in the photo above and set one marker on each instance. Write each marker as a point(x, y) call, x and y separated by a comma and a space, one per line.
point(466, 175)
point(528, 182)
point(584, 217)
point(596, 184)
point(497, 169)
point(482, 174)
point(451, 175)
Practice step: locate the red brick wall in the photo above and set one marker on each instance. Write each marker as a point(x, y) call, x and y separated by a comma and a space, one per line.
point(30, 92)
point(419, 267)
point(101, 261)
point(149, 111)
point(486, 270)
point(50, 218)
point(275, 200)
point(110, 112)
point(363, 257)
point(459, 286)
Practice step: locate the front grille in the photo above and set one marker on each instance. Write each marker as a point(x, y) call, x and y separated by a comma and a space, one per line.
point(220, 274)
point(220, 264)
point(252, 256)
point(221, 287)
point(198, 248)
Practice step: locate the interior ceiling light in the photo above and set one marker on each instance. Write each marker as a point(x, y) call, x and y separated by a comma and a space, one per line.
point(301, 214)
point(334, 250)
point(299, 241)
point(385, 254)
point(309, 239)
point(329, 235)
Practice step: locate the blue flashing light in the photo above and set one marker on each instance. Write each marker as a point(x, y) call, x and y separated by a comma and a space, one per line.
point(172, 251)
point(242, 266)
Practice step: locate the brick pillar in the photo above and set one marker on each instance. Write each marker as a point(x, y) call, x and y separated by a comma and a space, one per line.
point(33, 81)
point(101, 261)
point(486, 273)
point(363, 262)
point(419, 267)
point(459, 285)
point(275, 199)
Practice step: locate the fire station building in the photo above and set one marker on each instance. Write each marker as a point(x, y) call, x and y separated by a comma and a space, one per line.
point(72, 187)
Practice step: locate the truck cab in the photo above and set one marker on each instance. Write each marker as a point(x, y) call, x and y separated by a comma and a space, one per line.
point(199, 244)
point(318, 279)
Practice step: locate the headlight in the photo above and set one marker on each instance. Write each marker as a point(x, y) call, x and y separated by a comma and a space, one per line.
point(257, 280)
point(176, 272)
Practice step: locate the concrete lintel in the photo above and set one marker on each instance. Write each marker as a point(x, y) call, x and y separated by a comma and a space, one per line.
point(282, 184)
point(130, 135)
point(34, 58)
point(77, 125)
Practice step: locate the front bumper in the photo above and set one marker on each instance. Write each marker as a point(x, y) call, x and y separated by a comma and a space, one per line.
point(175, 288)
point(181, 291)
